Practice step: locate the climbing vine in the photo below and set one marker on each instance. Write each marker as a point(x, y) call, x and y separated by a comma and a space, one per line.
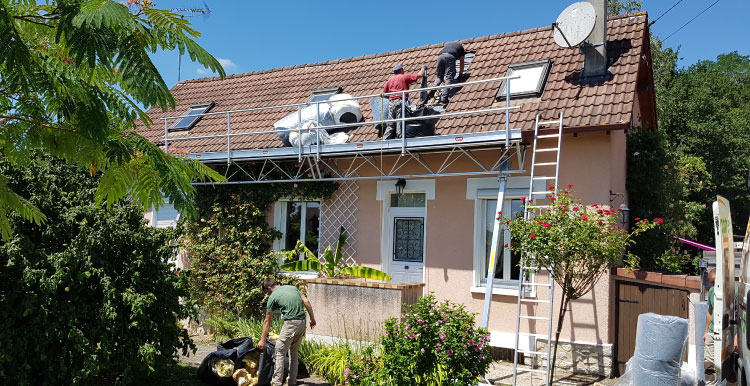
point(230, 243)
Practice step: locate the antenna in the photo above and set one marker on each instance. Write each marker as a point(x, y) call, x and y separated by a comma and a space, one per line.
point(574, 24)
point(189, 12)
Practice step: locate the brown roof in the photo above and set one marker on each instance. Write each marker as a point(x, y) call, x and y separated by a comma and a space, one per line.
point(607, 102)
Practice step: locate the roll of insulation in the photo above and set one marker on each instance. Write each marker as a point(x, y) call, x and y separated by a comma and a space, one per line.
point(308, 114)
point(345, 111)
point(660, 343)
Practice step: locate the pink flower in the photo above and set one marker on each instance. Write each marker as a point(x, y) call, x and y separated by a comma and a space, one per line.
point(569, 185)
point(637, 219)
point(442, 336)
point(420, 321)
point(575, 209)
point(531, 236)
point(584, 217)
point(553, 198)
point(659, 220)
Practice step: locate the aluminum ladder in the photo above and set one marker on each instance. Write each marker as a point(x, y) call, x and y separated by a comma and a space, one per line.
point(526, 283)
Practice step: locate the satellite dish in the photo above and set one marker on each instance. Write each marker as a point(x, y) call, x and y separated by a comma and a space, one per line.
point(574, 24)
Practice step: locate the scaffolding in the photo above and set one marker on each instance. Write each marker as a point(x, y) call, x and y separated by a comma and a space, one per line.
point(346, 161)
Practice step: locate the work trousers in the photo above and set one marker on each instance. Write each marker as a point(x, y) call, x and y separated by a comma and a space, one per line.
point(446, 72)
point(393, 129)
point(290, 338)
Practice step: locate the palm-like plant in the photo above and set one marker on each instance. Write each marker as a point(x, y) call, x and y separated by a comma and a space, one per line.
point(334, 265)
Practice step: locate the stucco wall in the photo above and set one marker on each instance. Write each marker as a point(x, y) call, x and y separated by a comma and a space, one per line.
point(593, 161)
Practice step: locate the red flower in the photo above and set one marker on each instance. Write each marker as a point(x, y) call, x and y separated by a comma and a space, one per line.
point(523, 199)
point(584, 217)
point(575, 209)
point(637, 219)
point(546, 225)
point(600, 211)
point(659, 220)
point(565, 191)
point(506, 245)
point(551, 187)
point(553, 198)
point(507, 221)
point(570, 185)
point(499, 212)
point(595, 206)
point(540, 223)
point(563, 210)
point(531, 236)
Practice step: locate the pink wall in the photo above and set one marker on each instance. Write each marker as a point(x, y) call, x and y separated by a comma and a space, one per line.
point(593, 161)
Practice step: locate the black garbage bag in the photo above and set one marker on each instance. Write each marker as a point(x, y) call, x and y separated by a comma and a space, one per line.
point(266, 364)
point(421, 127)
point(233, 350)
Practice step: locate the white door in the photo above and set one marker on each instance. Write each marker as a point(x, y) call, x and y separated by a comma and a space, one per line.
point(407, 237)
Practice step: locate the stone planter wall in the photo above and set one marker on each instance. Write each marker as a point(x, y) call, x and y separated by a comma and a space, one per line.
point(355, 308)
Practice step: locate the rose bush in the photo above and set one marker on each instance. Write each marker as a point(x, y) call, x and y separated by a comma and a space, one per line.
point(433, 343)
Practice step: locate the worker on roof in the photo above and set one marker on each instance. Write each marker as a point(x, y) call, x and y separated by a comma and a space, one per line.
point(446, 67)
point(399, 81)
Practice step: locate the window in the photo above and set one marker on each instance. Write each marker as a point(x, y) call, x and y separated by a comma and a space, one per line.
point(187, 122)
point(506, 264)
point(531, 84)
point(165, 217)
point(408, 237)
point(324, 94)
point(297, 220)
point(468, 58)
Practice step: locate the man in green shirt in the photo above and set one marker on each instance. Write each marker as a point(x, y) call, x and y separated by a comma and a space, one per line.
point(292, 304)
point(708, 336)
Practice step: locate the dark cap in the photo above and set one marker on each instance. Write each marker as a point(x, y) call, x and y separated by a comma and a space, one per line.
point(398, 68)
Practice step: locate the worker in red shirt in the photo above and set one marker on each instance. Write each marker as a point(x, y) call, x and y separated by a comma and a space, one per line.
point(400, 81)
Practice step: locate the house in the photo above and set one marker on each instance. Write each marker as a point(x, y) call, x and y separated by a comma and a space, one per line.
point(434, 228)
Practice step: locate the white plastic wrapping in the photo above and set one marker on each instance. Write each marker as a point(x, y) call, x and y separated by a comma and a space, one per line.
point(345, 111)
point(309, 136)
point(660, 344)
point(332, 112)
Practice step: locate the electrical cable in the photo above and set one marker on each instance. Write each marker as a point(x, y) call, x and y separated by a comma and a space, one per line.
point(665, 12)
point(691, 20)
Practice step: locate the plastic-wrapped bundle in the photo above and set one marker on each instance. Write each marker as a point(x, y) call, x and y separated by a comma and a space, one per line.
point(345, 111)
point(660, 343)
point(309, 136)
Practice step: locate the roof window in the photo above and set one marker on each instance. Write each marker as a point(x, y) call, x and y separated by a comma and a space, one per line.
point(531, 84)
point(467, 61)
point(324, 94)
point(187, 122)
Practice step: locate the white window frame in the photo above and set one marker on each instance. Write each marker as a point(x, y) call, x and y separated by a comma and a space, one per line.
point(279, 222)
point(480, 190)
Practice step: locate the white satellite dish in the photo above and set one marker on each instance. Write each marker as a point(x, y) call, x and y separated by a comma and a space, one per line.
point(574, 24)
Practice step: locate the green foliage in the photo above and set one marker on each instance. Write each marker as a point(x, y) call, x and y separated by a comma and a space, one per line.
point(74, 77)
point(330, 362)
point(616, 7)
point(334, 264)
point(365, 369)
point(434, 343)
point(574, 243)
point(230, 244)
point(89, 292)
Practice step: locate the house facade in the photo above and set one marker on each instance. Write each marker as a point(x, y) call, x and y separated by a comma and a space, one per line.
point(423, 209)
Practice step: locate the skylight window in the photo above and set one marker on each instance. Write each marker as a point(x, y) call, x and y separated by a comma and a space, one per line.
point(324, 94)
point(187, 122)
point(531, 84)
point(468, 58)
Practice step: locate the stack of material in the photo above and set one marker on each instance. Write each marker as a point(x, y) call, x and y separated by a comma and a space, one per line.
point(248, 375)
point(337, 110)
point(660, 344)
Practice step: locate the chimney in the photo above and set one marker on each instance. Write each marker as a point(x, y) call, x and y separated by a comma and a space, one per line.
point(594, 48)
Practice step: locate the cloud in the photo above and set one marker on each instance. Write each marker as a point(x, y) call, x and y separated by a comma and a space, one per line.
point(228, 65)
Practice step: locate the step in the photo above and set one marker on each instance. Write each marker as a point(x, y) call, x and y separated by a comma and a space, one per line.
point(557, 121)
point(533, 352)
point(533, 317)
point(549, 149)
point(538, 206)
point(546, 164)
point(533, 301)
point(532, 371)
point(545, 178)
point(547, 136)
point(537, 284)
point(542, 192)
point(545, 336)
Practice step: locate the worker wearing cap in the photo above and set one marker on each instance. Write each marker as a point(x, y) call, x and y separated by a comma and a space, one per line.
point(446, 67)
point(399, 81)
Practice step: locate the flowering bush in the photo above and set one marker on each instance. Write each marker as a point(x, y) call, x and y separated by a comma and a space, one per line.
point(575, 243)
point(433, 344)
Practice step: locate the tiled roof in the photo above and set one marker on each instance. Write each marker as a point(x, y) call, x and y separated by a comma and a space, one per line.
point(610, 102)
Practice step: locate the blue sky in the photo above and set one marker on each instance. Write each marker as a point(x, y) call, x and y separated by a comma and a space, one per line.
point(253, 35)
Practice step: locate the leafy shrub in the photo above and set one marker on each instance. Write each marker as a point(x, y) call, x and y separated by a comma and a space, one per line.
point(364, 369)
point(331, 362)
point(434, 344)
point(90, 291)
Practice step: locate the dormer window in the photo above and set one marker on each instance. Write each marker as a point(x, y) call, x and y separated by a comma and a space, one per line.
point(188, 121)
point(324, 94)
point(531, 84)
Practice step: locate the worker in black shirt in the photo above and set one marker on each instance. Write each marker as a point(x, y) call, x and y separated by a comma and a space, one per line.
point(446, 67)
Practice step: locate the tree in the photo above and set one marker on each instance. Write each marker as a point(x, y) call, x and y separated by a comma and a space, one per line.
point(575, 244)
point(91, 291)
point(616, 7)
point(73, 75)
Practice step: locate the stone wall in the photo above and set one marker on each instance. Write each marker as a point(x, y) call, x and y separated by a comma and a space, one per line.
point(579, 358)
point(356, 309)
